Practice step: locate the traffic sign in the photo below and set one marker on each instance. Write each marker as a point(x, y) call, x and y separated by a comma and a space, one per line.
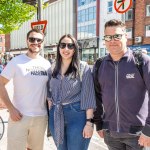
point(121, 6)
point(41, 25)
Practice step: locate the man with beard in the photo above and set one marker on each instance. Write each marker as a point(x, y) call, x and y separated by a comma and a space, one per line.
point(28, 113)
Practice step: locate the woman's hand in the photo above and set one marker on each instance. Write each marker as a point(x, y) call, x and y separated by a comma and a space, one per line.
point(88, 130)
point(49, 104)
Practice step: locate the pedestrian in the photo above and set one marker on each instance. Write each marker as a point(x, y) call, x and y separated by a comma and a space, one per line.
point(122, 116)
point(71, 98)
point(51, 58)
point(28, 113)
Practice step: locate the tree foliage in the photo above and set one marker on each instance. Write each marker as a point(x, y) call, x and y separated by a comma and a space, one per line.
point(13, 13)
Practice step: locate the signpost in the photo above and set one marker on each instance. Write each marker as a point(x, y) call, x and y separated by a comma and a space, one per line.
point(121, 6)
point(41, 25)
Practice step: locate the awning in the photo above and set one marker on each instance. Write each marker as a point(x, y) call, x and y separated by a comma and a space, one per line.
point(136, 47)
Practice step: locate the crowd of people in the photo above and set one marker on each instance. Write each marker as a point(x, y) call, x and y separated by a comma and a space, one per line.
point(71, 98)
point(4, 59)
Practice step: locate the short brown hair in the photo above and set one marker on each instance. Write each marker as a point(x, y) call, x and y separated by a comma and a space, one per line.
point(35, 30)
point(114, 23)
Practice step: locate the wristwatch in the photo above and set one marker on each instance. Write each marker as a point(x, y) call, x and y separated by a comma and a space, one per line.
point(90, 120)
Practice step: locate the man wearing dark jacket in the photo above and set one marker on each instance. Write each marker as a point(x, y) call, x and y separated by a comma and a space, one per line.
point(122, 116)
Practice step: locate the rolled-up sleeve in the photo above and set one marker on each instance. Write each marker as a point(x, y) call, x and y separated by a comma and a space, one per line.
point(88, 100)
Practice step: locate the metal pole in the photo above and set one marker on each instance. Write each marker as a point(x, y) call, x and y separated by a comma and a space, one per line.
point(133, 28)
point(40, 18)
point(39, 10)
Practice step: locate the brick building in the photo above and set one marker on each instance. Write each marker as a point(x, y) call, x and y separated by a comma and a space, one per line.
point(138, 25)
point(2, 43)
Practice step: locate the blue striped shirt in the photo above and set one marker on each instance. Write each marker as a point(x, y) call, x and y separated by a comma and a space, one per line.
point(69, 90)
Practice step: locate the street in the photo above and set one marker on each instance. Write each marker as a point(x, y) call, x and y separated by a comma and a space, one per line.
point(95, 144)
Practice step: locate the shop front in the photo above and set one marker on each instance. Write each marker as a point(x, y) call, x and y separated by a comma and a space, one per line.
point(89, 50)
point(140, 47)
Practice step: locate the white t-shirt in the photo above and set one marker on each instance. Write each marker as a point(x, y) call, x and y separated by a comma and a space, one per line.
point(30, 78)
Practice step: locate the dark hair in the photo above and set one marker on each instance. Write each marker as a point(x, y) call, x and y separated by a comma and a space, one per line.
point(74, 65)
point(35, 30)
point(114, 23)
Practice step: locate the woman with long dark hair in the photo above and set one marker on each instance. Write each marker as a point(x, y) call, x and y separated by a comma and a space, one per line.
point(71, 98)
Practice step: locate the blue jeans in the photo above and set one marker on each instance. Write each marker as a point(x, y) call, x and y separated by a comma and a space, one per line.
point(126, 142)
point(75, 120)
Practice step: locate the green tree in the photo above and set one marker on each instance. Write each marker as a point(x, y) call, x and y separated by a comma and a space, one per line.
point(13, 13)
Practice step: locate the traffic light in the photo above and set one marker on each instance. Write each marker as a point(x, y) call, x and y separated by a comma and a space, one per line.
point(30, 2)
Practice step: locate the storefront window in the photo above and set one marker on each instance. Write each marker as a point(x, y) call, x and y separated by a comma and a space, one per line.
point(89, 55)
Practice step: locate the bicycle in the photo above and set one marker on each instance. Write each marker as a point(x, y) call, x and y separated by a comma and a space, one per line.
point(2, 127)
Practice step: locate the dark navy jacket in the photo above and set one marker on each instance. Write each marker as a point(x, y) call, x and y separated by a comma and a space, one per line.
point(122, 101)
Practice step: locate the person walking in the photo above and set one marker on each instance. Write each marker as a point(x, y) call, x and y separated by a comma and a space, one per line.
point(28, 113)
point(71, 98)
point(122, 116)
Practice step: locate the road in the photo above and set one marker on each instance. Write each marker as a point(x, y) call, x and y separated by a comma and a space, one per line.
point(95, 144)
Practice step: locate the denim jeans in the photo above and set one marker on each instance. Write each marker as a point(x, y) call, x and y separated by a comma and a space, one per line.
point(75, 120)
point(126, 142)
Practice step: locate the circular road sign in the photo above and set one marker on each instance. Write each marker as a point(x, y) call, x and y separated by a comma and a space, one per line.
point(121, 6)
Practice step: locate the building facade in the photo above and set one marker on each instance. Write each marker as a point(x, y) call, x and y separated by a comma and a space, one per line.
point(2, 43)
point(61, 18)
point(107, 12)
point(138, 25)
point(85, 19)
point(88, 29)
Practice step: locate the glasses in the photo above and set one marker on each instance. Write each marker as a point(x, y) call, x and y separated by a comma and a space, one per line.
point(116, 37)
point(69, 45)
point(32, 40)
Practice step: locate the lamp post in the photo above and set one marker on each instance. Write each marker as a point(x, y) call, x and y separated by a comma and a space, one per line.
point(39, 10)
point(39, 18)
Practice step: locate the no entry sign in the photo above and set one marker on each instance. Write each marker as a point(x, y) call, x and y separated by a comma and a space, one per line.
point(121, 6)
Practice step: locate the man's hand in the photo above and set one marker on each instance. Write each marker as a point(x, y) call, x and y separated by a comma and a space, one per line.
point(101, 133)
point(15, 115)
point(144, 140)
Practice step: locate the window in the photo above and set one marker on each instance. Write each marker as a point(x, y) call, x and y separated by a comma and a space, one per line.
point(129, 33)
point(110, 7)
point(147, 10)
point(129, 14)
point(147, 31)
point(92, 29)
point(85, 2)
point(91, 13)
point(81, 2)
point(82, 16)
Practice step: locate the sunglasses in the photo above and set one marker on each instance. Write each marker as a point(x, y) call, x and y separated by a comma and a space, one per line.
point(32, 40)
point(116, 37)
point(69, 45)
